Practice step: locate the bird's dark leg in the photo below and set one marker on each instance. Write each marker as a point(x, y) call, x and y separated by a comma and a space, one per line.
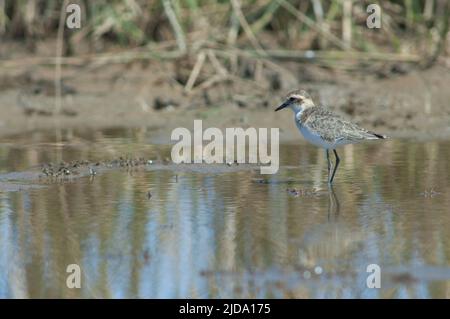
point(329, 164)
point(335, 166)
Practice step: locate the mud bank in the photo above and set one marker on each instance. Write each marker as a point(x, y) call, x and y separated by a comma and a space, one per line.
point(409, 103)
point(69, 172)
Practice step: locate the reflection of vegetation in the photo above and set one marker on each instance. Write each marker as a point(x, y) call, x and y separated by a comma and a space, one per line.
point(261, 24)
point(200, 226)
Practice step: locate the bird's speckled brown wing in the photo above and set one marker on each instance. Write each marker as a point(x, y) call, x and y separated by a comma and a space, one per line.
point(332, 128)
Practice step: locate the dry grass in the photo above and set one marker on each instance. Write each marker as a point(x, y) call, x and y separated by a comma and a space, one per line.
point(327, 32)
point(271, 24)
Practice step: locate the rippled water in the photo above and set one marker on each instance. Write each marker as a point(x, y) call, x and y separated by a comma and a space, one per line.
point(225, 231)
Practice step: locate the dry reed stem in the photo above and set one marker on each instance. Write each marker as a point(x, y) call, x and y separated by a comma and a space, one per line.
point(195, 71)
point(312, 24)
point(216, 63)
point(248, 31)
point(59, 53)
point(179, 35)
point(347, 23)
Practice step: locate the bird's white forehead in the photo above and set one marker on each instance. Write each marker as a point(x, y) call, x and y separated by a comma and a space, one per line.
point(297, 96)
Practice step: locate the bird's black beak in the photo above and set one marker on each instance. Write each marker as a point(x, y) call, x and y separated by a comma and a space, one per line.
point(282, 106)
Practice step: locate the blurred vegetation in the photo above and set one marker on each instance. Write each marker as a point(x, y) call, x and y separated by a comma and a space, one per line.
point(408, 26)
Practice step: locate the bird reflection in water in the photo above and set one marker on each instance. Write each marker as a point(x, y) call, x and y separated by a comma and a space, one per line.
point(333, 203)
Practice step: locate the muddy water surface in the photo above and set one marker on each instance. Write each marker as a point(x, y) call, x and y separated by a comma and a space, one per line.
point(162, 230)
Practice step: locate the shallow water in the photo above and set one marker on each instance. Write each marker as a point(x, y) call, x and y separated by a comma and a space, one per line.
point(225, 231)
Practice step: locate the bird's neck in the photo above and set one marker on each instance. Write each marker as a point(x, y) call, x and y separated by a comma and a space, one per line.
point(299, 111)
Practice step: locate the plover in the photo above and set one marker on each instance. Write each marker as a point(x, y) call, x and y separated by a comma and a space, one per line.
point(324, 128)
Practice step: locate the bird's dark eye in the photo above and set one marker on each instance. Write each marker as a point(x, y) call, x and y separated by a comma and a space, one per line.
point(292, 99)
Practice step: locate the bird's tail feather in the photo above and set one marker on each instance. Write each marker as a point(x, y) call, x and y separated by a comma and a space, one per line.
point(378, 136)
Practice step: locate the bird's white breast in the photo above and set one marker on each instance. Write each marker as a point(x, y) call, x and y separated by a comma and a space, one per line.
point(310, 135)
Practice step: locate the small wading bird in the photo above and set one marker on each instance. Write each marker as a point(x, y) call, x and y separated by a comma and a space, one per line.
point(323, 128)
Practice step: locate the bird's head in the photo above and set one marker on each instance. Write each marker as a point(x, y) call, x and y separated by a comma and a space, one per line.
point(297, 100)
